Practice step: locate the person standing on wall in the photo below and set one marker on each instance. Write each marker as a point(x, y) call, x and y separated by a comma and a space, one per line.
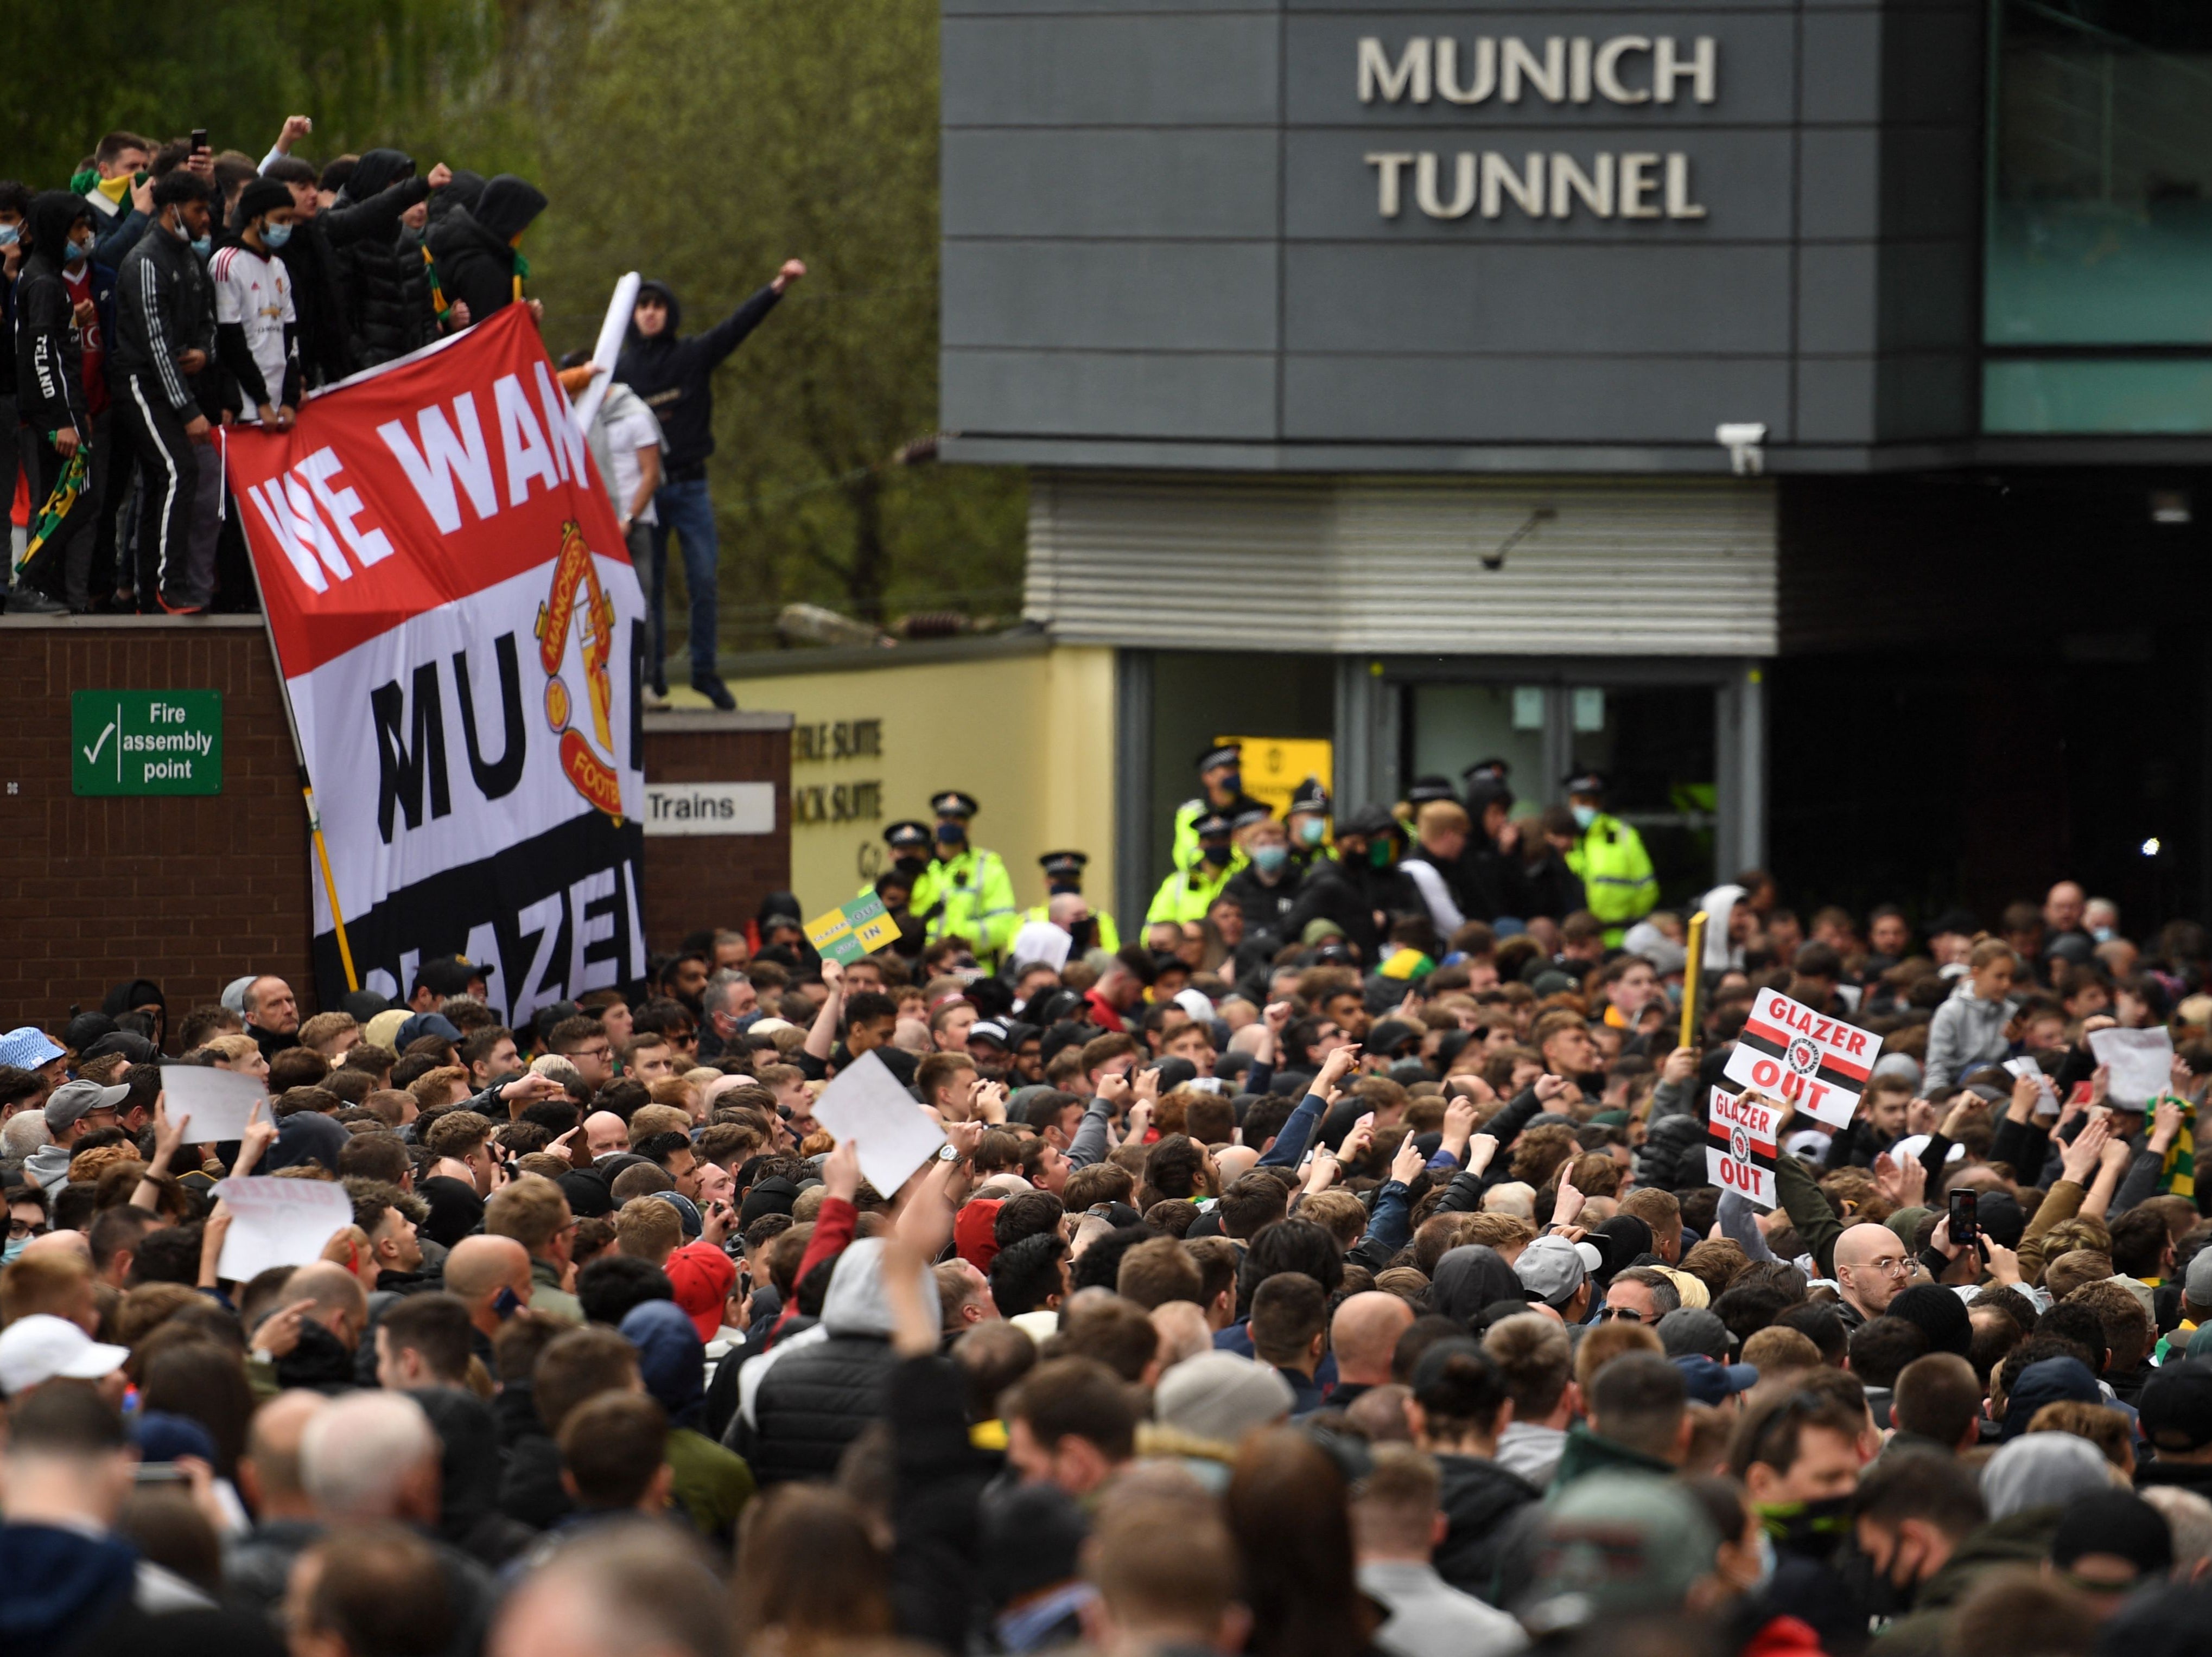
point(675, 376)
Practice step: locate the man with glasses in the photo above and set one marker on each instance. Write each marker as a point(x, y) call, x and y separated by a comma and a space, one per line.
point(27, 1220)
point(584, 1042)
point(1639, 1294)
point(1871, 1268)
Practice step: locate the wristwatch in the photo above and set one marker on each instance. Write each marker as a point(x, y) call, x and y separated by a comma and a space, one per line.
point(948, 1152)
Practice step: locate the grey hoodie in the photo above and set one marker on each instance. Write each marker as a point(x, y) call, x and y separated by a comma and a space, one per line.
point(47, 1166)
point(1966, 1031)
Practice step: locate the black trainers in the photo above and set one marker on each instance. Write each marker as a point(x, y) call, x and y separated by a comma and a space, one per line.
point(26, 600)
point(714, 691)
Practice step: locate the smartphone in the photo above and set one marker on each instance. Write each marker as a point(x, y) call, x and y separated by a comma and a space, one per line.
point(505, 1304)
point(158, 1472)
point(199, 137)
point(1966, 1229)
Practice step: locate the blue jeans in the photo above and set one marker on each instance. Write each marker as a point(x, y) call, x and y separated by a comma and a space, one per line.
point(687, 512)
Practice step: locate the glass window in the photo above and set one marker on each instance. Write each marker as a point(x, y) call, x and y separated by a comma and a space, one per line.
point(2100, 217)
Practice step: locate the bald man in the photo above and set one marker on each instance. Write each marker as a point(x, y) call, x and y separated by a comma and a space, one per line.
point(1232, 1162)
point(477, 1269)
point(1871, 1266)
point(333, 1297)
point(255, 1565)
point(605, 1133)
point(1363, 1335)
point(2061, 909)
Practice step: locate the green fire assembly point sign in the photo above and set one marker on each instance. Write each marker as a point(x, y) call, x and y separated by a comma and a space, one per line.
point(146, 742)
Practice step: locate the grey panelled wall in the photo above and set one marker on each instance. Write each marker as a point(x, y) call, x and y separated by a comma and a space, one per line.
point(1171, 237)
point(1653, 567)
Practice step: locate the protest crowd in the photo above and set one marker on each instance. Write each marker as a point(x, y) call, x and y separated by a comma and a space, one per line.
point(173, 292)
point(1296, 1277)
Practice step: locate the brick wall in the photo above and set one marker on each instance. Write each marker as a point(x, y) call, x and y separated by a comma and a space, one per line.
point(192, 891)
point(693, 882)
point(189, 891)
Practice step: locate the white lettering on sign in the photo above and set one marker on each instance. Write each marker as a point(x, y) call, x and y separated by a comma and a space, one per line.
point(1640, 185)
point(709, 808)
point(1740, 1146)
point(301, 508)
point(1561, 70)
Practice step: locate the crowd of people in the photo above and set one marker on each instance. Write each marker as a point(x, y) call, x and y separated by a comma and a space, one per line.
point(170, 290)
point(1284, 1305)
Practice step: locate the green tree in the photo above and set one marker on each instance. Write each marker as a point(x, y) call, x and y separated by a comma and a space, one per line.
point(705, 142)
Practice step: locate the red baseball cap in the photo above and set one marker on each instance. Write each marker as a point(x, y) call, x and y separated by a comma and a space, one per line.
point(703, 1277)
point(975, 1232)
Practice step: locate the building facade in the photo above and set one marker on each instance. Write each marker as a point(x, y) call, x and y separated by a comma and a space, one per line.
point(1798, 407)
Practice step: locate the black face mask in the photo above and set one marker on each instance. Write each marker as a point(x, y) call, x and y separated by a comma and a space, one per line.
point(1218, 855)
point(1884, 1597)
point(1083, 932)
point(910, 867)
point(1063, 887)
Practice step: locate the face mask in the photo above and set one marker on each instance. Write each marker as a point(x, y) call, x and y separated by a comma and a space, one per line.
point(1080, 935)
point(909, 867)
point(1378, 855)
point(15, 1246)
point(10, 234)
point(276, 235)
point(1584, 816)
point(1311, 831)
point(1062, 888)
point(1218, 855)
point(1232, 781)
point(1766, 1562)
point(2102, 934)
point(204, 245)
point(950, 834)
point(1267, 859)
point(79, 251)
point(1885, 1598)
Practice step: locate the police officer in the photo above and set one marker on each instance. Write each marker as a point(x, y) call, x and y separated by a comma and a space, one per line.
point(1307, 824)
point(965, 892)
point(1187, 894)
point(910, 843)
point(1609, 857)
point(1063, 875)
point(1221, 775)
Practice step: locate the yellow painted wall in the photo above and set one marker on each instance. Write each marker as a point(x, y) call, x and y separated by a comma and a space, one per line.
point(1029, 735)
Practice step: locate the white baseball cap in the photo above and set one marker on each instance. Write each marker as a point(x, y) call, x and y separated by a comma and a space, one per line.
point(42, 1347)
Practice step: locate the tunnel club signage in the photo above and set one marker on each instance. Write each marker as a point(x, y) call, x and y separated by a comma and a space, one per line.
point(1625, 71)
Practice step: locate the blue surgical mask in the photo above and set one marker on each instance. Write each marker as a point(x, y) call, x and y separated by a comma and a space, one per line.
point(1311, 831)
point(1269, 858)
point(15, 1247)
point(1584, 816)
point(276, 235)
point(79, 251)
point(950, 834)
point(1765, 1560)
point(2102, 934)
point(11, 234)
point(204, 245)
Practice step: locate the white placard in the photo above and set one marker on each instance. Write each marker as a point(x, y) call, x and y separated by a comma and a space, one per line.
point(2046, 1101)
point(864, 1102)
point(2142, 1062)
point(216, 1101)
point(709, 808)
point(1041, 941)
point(614, 328)
point(1806, 1059)
point(279, 1223)
point(1740, 1147)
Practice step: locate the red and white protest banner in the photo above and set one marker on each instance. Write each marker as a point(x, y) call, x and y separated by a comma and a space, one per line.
point(1740, 1146)
point(1818, 1063)
point(461, 636)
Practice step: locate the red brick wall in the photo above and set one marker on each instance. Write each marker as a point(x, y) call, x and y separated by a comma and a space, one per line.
point(693, 882)
point(192, 891)
point(189, 891)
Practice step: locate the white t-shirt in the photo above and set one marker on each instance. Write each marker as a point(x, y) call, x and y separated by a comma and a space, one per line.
point(255, 292)
point(627, 426)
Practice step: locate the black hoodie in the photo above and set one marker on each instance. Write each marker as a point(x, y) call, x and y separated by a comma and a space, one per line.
point(49, 363)
point(474, 247)
point(675, 376)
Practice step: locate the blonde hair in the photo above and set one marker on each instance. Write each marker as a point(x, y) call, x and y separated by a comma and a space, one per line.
point(648, 1227)
point(1442, 816)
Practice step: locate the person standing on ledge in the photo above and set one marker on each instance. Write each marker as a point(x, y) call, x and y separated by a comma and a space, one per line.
point(675, 376)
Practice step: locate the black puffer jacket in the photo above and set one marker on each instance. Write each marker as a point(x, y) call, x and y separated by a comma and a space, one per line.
point(47, 353)
point(813, 1399)
point(386, 288)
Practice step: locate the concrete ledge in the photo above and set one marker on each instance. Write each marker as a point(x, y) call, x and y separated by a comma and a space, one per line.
point(711, 719)
point(177, 623)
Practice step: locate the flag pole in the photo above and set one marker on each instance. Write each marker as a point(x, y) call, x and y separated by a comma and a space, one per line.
point(308, 792)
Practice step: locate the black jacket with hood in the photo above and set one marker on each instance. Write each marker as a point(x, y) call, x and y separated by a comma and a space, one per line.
point(49, 361)
point(381, 274)
point(474, 247)
point(675, 376)
point(316, 257)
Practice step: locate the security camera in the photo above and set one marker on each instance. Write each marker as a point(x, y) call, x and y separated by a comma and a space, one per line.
point(1741, 439)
